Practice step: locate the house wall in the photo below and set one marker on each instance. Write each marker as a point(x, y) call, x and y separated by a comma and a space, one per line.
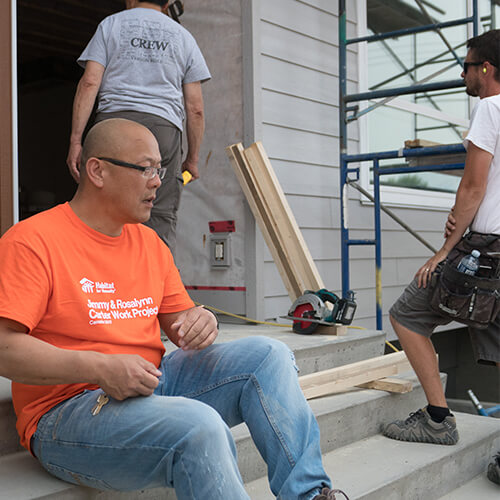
point(299, 110)
point(299, 129)
point(275, 78)
point(217, 27)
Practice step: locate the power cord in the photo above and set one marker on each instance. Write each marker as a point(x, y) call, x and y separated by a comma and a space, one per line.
point(250, 320)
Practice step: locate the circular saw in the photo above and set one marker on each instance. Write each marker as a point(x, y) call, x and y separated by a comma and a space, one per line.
point(320, 308)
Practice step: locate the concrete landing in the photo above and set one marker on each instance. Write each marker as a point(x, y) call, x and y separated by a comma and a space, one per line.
point(479, 488)
point(9, 441)
point(378, 468)
point(312, 352)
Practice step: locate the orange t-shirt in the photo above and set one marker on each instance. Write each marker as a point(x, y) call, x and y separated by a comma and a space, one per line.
point(79, 289)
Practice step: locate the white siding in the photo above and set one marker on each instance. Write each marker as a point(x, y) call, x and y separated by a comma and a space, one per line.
point(300, 126)
point(300, 129)
point(293, 103)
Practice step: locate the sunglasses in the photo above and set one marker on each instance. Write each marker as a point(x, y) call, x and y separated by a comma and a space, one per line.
point(467, 64)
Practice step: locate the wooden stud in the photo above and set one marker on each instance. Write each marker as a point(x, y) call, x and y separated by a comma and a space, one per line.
point(420, 143)
point(389, 384)
point(343, 377)
point(286, 224)
point(243, 173)
point(335, 329)
point(282, 221)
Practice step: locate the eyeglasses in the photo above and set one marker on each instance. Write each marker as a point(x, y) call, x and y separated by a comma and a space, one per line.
point(467, 64)
point(148, 172)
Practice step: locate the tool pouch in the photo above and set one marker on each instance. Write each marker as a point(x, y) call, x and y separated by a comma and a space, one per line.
point(472, 300)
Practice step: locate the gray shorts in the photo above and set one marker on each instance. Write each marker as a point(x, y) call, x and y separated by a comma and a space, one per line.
point(413, 312)
point(164, 213)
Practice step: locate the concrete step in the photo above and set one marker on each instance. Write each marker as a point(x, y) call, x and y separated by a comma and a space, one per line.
point(343, 419)
point(22, 477)
point(479, 488)
point(312, 352)
point(378, 468)
point(9, 441)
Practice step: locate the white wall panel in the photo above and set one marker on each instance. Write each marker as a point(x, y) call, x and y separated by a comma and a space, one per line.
point(299, 17)
point(301, 146)
point(307, 178)
point(322, 244)
point(290, 78)
point(309, 52)
point(315, 212)
point(295, 96)
point(332, 7)
point(294, 112)
point(419, 220)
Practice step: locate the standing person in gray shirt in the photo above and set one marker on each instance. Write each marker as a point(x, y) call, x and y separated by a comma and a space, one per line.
point(145, 67)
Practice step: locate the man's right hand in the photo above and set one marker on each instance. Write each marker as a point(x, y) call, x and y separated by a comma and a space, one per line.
point(73, 160)
point(123, 376)
point(191, 167)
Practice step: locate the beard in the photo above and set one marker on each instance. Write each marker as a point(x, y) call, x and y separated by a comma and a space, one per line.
point(472, 91)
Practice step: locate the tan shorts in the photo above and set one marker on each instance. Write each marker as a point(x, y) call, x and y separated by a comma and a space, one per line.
point(413, 312)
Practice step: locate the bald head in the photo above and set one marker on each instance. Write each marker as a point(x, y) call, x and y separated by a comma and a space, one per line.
point(111, 138)
point(114, 187)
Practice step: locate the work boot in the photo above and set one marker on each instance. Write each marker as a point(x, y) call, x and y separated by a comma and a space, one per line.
point(328, 494)
point(420, 428)
point(494, 469)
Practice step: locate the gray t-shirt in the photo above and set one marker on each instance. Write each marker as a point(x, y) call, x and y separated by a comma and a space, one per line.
point(148, 57)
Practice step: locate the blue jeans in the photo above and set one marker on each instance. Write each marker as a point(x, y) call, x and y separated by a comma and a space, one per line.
point(179, 437)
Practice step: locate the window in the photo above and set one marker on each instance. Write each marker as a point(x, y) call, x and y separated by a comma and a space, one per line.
point(440, 116)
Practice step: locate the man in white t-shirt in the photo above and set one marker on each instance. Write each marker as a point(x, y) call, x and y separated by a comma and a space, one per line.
point(477, 209)
point(143, 66)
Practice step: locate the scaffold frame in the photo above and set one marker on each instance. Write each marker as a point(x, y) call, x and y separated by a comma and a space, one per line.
point(350, 174)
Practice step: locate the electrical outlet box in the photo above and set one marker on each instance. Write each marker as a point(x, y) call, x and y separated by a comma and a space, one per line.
point(220, 250)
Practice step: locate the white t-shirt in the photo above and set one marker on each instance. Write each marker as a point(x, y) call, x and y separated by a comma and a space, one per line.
point(484, 133)
point(148, 57)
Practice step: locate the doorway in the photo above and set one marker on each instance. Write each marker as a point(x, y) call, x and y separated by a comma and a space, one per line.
point(50, 37)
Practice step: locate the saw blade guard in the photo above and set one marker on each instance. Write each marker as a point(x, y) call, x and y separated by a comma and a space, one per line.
point(319, 307)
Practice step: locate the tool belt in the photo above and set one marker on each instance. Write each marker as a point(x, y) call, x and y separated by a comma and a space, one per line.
point(472, 300)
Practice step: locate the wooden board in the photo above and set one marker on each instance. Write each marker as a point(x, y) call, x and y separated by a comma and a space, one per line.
point(420, 143)
point(343, 377)
point(275, 218)
point(247, 183)
point(303, 266)
point(331, 330)
point(389, 384)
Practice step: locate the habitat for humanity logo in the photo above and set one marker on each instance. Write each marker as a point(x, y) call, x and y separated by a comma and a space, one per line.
point(88, 286)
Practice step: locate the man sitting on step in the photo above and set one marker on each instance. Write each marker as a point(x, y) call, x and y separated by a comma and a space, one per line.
point(476, 206)
point(84, 290)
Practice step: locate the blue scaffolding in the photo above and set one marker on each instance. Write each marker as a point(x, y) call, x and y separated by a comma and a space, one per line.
point(349, 174)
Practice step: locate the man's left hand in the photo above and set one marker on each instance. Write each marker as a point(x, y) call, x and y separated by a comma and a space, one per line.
point(196, 328)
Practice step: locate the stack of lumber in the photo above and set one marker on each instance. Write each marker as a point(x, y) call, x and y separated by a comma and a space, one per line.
point(275, 218)
point(374, 373)
point(441, 159)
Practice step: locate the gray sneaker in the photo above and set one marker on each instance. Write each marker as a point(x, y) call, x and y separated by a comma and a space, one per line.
point(328, 494)
point(420, 428)
point(494, 469)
